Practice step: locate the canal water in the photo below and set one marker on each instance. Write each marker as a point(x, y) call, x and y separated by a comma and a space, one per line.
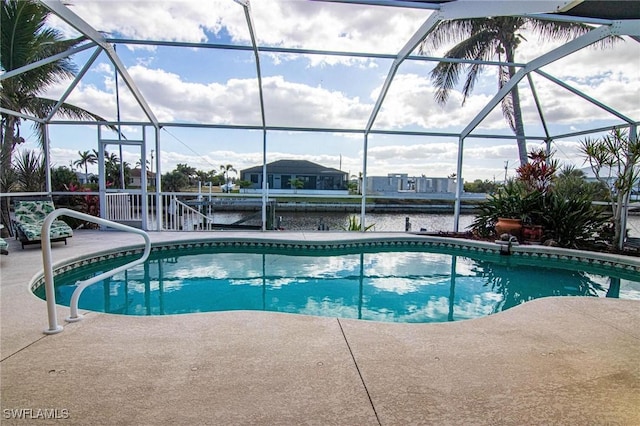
point(382, 222)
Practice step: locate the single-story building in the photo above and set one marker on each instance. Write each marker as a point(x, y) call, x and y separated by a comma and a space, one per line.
point(401, 183)
point(135, 178)
point(86, 179)
point(281, 174)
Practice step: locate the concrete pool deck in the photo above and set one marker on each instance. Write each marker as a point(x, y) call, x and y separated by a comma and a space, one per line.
point(550, 361)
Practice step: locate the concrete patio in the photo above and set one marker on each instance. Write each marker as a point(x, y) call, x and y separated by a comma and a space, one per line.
point(559, 361)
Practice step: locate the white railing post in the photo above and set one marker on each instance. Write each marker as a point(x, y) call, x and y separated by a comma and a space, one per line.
point(50, 295)
point(191, 217)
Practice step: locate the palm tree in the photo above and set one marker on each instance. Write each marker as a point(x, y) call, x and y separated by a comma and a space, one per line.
point(486, 39)
point(86, 158)
point(225, 171)
point(25, 39)
point(30, 171)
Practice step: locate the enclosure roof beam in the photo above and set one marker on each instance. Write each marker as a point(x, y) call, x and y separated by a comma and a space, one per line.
point(413, 42)
point(574, 45)
point(585, 96)
point(460, 9)
point(247, 13)
point(435, 5)
point(597, 130)
point(25, 116)
point(48, 60)
point(464, 9)
point(472, 8)
point(299, 51)
point(73, 85)
point(64, 13)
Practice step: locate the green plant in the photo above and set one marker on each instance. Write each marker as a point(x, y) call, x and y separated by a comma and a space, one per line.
point(561, 203)
point(174, 181)
point(509, 201)
point(296, 183)
point(354, 225)
point(29, 171)
point(62, 177)
point(614, 159)
point(573, 221)
point(26, 39)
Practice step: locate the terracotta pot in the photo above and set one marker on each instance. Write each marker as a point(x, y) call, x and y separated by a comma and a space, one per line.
point(509, 226)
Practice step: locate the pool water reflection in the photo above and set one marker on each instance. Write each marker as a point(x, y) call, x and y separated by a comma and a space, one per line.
point(398, 286)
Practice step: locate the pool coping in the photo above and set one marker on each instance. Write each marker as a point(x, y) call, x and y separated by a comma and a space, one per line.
point(531, 364)
point(533, 252)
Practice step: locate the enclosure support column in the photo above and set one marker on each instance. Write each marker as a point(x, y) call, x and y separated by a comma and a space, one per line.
point(363, 184)
point(633, 136)
point(47, 157)
point(159, 206)
point(144, 200)
point(459, 187)
point(102, 187)
point(265, 184)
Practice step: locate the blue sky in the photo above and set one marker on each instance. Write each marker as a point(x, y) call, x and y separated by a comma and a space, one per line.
point(219, 86)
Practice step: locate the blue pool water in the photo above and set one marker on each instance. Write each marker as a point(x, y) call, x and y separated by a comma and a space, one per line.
point(403, 285)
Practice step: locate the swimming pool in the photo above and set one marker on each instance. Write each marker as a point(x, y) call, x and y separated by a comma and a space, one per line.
point(398, 281)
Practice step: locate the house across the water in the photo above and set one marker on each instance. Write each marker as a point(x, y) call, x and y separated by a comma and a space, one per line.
point(297, 175)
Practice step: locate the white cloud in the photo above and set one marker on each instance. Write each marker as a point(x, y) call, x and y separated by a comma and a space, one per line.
point(609, 75)
point(312, 25)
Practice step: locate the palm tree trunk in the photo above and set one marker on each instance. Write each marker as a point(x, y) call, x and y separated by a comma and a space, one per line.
point(517, 111)
point(6, 152)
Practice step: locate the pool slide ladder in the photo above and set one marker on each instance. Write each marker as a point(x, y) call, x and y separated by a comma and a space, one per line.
point(54, 327)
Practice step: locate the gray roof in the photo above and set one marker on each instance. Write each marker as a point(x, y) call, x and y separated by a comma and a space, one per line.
point(606, 9)
point(603, 9)
point(300, 167)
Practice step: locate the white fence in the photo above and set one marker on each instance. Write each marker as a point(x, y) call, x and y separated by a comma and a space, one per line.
point(123, 207)
point(172, 214)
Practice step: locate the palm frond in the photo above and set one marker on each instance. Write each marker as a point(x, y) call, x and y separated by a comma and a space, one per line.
point(42, 107)
point(444, 33)
point(25, 40)
point(445, 75)
point(29, 171)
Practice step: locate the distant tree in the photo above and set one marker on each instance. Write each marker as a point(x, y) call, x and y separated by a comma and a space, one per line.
point(244, 184)
point(352, 187)
point(226, 169)
point(86, 158)
point(139, 164)
point(188, 172)
point(218, 178)
point(174, 181)
point(481, 186)
point(203, 176)
point(62, 177)
point(112, 170)
point(296, 183)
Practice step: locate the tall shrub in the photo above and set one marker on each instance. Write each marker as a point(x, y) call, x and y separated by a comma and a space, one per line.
point(614, 160)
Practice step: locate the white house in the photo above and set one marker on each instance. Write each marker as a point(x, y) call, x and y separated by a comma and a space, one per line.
point(402, 184)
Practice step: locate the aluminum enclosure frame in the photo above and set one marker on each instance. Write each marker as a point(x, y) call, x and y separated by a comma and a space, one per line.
point(442, 10)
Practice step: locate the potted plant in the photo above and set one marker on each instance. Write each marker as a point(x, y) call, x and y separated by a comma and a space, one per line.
point(502, 212)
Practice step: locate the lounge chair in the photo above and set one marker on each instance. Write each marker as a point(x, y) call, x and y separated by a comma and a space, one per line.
point(3, 243)
point(28, 220)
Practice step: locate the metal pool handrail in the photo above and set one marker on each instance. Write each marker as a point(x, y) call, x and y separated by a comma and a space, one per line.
point(54, 327)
